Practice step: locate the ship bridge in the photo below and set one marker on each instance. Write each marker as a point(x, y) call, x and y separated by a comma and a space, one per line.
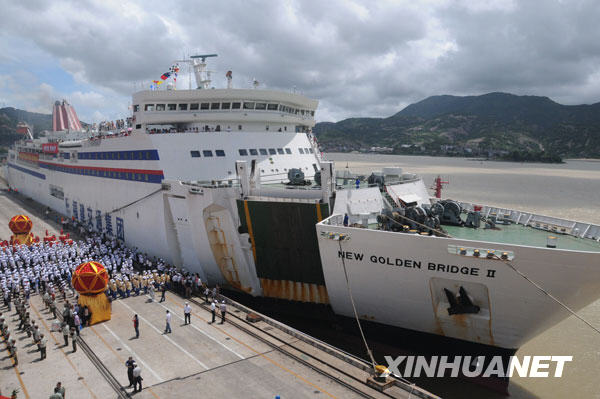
point(224, 109)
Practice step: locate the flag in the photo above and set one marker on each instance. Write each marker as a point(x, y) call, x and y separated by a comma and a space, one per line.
point(165, 75)
point(157, 82)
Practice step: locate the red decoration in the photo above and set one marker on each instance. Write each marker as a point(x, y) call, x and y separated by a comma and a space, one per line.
point(90, 278)
point(20, 224)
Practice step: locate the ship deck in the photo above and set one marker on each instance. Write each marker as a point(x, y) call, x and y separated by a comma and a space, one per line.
point(518, 234)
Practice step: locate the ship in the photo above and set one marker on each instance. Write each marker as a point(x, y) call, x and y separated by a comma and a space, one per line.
point(230, 184)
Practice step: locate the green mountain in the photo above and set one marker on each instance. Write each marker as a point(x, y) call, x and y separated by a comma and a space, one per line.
point(9, 117)
point(490, 124)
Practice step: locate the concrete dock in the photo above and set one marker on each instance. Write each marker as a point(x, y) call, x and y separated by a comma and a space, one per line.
point(237, 359)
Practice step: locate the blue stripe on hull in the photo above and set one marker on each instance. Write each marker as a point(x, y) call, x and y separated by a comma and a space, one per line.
point(30, 172)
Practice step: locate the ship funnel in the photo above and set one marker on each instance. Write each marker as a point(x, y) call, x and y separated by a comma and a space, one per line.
point(64, 117)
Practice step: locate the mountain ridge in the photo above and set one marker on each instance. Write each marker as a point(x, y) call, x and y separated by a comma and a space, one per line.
point(473, 125)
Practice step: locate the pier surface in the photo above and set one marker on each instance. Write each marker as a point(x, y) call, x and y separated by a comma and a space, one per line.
point(236, 359)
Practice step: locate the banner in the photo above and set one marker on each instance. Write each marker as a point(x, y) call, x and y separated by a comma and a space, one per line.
point(50, 148)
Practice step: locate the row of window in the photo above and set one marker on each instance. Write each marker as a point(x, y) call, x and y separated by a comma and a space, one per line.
point(226, 106)
point(251, 151)
point(147, 155)
point(110, 174)
point(207, 153)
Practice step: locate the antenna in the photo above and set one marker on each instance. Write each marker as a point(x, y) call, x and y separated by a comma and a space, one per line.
point(203, 57)
point(198, 64)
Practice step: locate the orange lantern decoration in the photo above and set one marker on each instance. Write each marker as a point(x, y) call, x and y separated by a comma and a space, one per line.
point(90, 280)
point(21, 226)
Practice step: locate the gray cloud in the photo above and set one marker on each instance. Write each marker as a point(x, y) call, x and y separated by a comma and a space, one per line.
point(367, 58)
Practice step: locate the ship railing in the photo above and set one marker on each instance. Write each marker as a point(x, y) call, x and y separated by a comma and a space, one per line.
point(551, 224)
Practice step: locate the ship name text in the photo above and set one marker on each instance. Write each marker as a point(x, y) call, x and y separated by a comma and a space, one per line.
point(419, 264)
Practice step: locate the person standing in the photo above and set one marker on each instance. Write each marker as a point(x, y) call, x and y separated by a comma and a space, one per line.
point(136, 326)
point(42, 346)
point(168, 320)
point(76, 323)
point(213, 311)
point(187, 313)
point(137, 378)
point(65, 332)
point(73, 339)
point(206, 292)
point(163, 289)
point(151, 289)
point(53, 309)
point(13, 351)
point(130, 364)
point(223, 309)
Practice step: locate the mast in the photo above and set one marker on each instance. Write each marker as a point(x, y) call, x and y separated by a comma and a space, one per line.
point(198, 64)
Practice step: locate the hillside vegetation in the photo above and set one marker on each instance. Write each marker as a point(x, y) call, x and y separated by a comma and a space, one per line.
point(499, 125)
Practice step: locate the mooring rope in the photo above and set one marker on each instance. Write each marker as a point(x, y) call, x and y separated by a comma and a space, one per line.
point(539, 287)
point(362, 334)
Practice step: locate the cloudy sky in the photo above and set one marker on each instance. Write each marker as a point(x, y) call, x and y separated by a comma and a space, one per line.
point(358, 58)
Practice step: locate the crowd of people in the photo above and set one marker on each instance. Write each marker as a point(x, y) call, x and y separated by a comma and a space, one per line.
point(46, 268)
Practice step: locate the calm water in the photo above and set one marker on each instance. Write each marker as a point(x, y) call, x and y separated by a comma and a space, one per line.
point(570, 190)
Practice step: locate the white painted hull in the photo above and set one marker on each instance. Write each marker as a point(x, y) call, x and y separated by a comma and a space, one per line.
point(392, 283)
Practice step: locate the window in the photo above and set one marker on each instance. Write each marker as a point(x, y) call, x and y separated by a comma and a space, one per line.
point(215, 106)
point(220, 153)
point(204, 106)
point(235, 105)
point(207, 153)
point(253, 151)
point(225, 105)
point(280, 150)
point(261, 106)
point(272, 151)
point(183, 107)
point(194, 107)
point(300, 150)
point(138, 126)
point(248, 105)
point(160, 107)
point(239, 127)
point(263, 151)
point(272, 107)
point(172, 107)
point(136, 108)
point(311, 150)
point(243, 152)
point(288, 151)
point(149, 107)
point(306, 151)
point(195, 154)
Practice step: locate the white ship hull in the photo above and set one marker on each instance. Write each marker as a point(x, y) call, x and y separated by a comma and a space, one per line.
point(399, 279)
